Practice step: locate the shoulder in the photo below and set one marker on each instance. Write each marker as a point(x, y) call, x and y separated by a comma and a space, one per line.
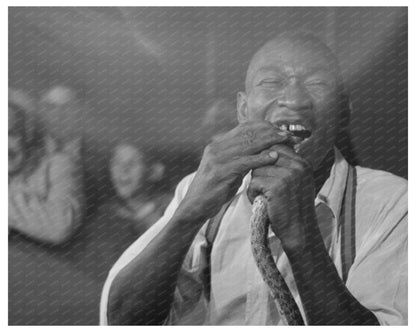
point(380, 185)
point(381, 201)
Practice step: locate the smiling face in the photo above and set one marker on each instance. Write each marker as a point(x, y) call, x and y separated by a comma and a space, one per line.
point(16, 140)
point(128, 169)
point(295, 81)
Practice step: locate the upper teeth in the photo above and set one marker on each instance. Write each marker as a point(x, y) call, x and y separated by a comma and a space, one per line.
point(292, 127)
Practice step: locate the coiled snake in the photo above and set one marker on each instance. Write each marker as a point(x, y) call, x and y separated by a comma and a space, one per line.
point(259, 227)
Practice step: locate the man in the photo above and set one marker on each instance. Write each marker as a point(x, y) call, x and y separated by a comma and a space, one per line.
point(292, 82)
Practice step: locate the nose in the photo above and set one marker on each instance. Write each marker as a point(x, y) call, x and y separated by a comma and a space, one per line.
point(295, 97)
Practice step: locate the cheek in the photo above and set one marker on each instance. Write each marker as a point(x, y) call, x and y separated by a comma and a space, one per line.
point(258, 104)
point(137, 174)
point(118, 176)
point(327, 117)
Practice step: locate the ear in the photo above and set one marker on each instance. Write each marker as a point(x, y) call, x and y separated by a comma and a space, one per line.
point(242, 114)
point(157, 171)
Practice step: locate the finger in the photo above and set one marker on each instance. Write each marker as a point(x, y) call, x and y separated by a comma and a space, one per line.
point(245, 163)
point(274, 172)
point(262, 186)
point(286, 152)
point(267, 171)
point(256, 188)
point(252, 140)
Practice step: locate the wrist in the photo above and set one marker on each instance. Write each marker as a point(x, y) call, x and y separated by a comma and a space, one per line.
point(306, 240)
point(189, 213)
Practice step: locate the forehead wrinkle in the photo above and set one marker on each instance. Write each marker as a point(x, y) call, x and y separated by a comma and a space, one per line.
point(287, 70)
point(294, 44)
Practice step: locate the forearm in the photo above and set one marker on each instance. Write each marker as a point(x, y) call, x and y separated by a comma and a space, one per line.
point(142, 292)
point(325, 298)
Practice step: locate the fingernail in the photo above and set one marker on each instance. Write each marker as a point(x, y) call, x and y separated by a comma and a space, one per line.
point(273, 154)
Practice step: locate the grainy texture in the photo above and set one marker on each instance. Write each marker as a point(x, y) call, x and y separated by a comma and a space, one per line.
point(148, 75)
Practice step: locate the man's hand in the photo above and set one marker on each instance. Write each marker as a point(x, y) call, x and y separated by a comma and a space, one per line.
point(288, 186)
point(227, 160)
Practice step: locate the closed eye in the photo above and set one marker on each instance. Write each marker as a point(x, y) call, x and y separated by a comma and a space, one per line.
point(273, 83)
point(317, 83)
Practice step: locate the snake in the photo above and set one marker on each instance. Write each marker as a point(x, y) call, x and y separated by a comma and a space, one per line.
point(259, 231)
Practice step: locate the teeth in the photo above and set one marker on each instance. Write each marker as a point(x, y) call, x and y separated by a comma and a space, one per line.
point(296, 127)
point(291, 127)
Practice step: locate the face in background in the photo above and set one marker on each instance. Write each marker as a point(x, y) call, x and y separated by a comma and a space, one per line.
point(295, 81)
point(16, 139)
point(128, 170)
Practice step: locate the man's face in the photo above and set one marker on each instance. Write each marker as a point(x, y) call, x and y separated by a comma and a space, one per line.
point(16, 140)
point(127, 170)
point(294, 82)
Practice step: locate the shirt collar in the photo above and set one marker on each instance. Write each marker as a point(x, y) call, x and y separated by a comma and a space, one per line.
point(331, 193)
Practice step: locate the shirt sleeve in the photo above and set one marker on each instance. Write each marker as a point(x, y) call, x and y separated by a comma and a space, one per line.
point(48, 204)
point(188, 297)
point(378, 277)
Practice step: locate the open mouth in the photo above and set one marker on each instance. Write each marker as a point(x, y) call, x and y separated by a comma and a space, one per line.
point(299, 133)
point(297, 130)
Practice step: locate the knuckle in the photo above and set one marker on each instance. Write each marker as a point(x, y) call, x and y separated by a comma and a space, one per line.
point(248, 134)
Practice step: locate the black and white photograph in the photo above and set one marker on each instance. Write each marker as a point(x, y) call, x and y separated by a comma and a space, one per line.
point(225, 166)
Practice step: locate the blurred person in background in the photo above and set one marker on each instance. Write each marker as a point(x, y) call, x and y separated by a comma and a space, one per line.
point(139, 201)
point(46, 199)
point(135, 178)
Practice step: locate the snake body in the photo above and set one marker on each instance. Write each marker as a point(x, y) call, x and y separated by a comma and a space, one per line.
point(259, 227)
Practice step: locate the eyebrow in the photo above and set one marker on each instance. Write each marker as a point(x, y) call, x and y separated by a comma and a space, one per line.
point(308, 71)
point(269, 69)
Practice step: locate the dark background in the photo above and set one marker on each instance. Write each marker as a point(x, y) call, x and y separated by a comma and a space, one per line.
point(147, 75)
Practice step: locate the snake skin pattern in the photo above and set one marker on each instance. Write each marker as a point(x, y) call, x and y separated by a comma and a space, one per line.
point(259, 226)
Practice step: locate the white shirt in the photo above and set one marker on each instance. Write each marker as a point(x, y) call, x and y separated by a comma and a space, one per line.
point(377, 278)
